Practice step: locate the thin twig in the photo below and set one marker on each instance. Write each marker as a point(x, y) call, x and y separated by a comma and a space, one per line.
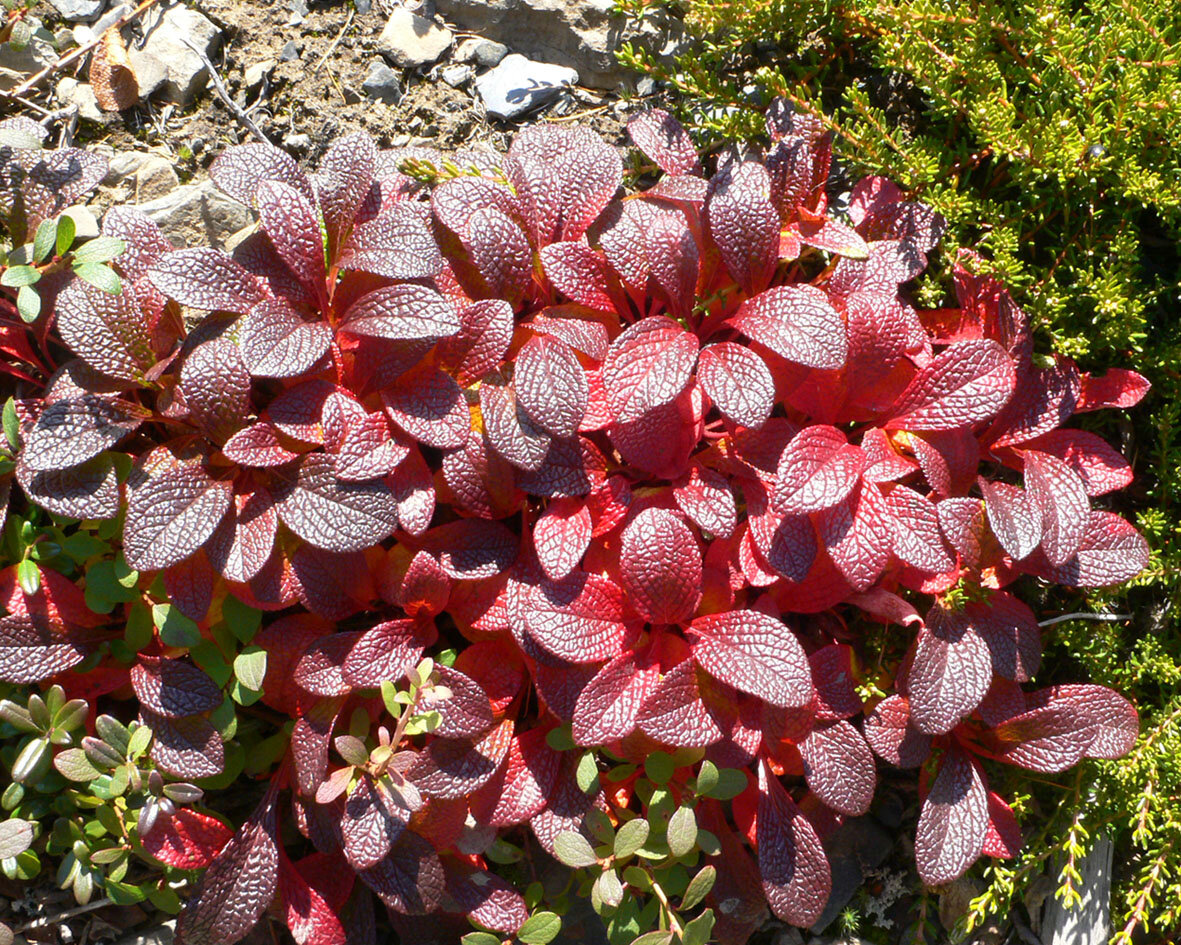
point(336, 42)
point(243, 119)
point(1098, 618)
point(33, 81)
point(48, 920)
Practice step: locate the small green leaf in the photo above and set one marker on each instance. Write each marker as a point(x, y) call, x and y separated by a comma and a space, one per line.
point(659, 767)
point(164, 899)
point(250, 667)
point(65, 234)
point(81, 546)
point(175, 628)
point(654, 938)
point(540, 928)
point(138, 744)
point(28, 304)
point(11, 424)
point(731, 783)
point(99, 275)
point(28, 576)
point(242, 620)
point(699, 930)
point(16, 836)
point(708, 843)
point(630, 837)
point(44, 240)
point(480, 938)
point(124, 894)
point(101, 249)
point(210, 658)
point(600, 826)
point(351, 749)
point(707, 777)
point(574, 849)
point(137, 633)
point(682, 831)
point(587, 773)
point(389, 697)
point(15, 276)
point(699, 887)
point(610, 888)
point(560, 739)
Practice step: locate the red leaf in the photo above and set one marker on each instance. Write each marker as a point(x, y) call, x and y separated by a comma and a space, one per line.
point(173, 687)
point(329, 512)
point(857, 536)
point(170, 514)
point(795, 871)
point(410, 880)
point(950, 673)
point(1118, 387)
point(739, 383)
point(257, 446)
point(71, 431)
point(374, 818)
point(674, 712)
point(1111, 552)
point(206, 279)
point(579, 619)
point(660, 566)
point(108, 332)
point(1058, 492)
point(1013, 636)
point(663, 139)
point(1100, 467)
point(579, 273)
point(1003, 837)
point(609, 705)
point(510, 430)
point(754, 653)
point(452, 769)
point(523, 783)
point(485, 333)
point(241, 545)
point(744, 223)
point(403, 312)
point(704, 495)
point(429, 405)
point(818, 469)
point(188, 839)
point(647, 367)
point(1013, 518)
point(561, 535)
point(953, 821)
point(304, 888)
point(796, 322)
point(470, 549)
point(917, 538)
point(839, 767)
point(892, 737)
point(293, 227)
point(276, 341)
point(185, 748)
point(551, 385)
point(967, 382)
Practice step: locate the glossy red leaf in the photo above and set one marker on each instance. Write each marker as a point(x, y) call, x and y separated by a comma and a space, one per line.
point(186, 748)
point(485, 333)
point(1111, 552)
point(1117, 387)
point(429, 406)
point(561, 535)
point(277, 341)
point(609, 705)
point(818, 469)
point(660, 566)
point(1013, 518)
point(839, 767)
point(580, 618)
point(410, 880)
point(329, 512)
point(738, 382)
point(188, 839)
point(108, 332)
point(755, 653)
point(71, 431)
point(579, 273)
point(388, 650)
point(744, 224)
point(215, 388)
point(1057, 491)
point(1100, 467)
point(953, 821)
point(647, 366)
point(798, 323)
point(291, 223)
point(241, 545)
point(1003, 837)
point(1013, 636)
point(889, 733)
point(207, 279)
point(950, 673)
point(239, 170)
point(172, 513)
point(704, 495)
point(663, 139)
point(450, 768)
point(917, 538)
point(374, 818)
point(857, 536)
point(551, 385)
point(173, 687)
point(967, 382)
point(674, 712)
point(796, 876)
point(402, 312)
point(469, 549)
point(258, 446)
point(523, 784)
point(511, 432)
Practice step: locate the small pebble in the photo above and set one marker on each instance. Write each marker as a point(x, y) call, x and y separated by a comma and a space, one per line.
point(289, 52)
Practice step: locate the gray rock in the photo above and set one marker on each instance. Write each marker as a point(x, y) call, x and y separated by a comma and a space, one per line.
point(410, 40)
point(165, 64)
point(581, 34)
point(85, 225)
point(858, 845)
point(78, 10)
point(289, 51)
point(198, 214)
point(299, 9)
point(17, 64)
point(72, 92)
point(298, 142)
point(1090, 922)
point(457, 75)
point(255, 73)
point(163, 934)
point(483, 52)
point(382, 84)
point(519, 85)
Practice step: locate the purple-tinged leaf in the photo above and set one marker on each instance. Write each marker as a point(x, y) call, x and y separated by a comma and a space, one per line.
point(470, 549)
point(510, 430)
point(663, 139)
point(660, 566)
point(648, 366)
point(551, 385)
point(320, 671)
point(428, 405)
point(485, 333)
point(573, 466)
point(561, 535)
point(290, 221)
point(239, 170)
point(109, 332)
point(917, 538)
point(402, 313)
point(410, 880)
point(1100, 467)
point(185, 748)
point(818, 469)
point(450, 768)
point(373, 820)
point(1012, 517)
point(170, 514)
point(950, 673)
point(839, 767)
point(71, 431)
point(277, 341)
point(258, 447)
point(173, 688)
point(1012, 634)
point(207, 279)
point(1045, 400)
point(796, 876)
point(398, 244)
point(580, 618)
point(31, 652)
point(967, 382)
point(1111, 552)
point(368, 450)
point(241, 545)
point(797, 323)
point(675, 713)
point(89, 490)
point(953, 821)
point(786, 542)
point(890, 734)
point(386, 651)
point(215, 387)
point(704, 495)
point(610, 703)
point(329, 512)
point(1057, 491)
point(857, 536)
point(744, 224)
point(579, 273)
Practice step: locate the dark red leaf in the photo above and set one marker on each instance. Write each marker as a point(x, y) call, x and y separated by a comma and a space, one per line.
point(796, 322)
point(892, 737)
point(660, 566)
point(663, 139)
point(950, 673)
point(429, 406)
point(739, 383)
point(1014, 519)
point(1111, 552)
point(744, 224)
point(329, 512)
point(402, 313)
point(207, 279)
point(839, 767)
point(170, 514)
point(609, 705)
point(551, 385)
point(290, 221)
point(674, 712)
point(754, 653)
point(917, 538)
point(1118, 387)
point(580, 618)
point(795, 871)
point(173, 688)
point(277, 341)
point(108, 332)
point(186, 748)
point(410, 880)
point(953, 821)
point(1100, 467)
point(1057, 491)
point(967, 382)
point(818, 469)
point(648, 366)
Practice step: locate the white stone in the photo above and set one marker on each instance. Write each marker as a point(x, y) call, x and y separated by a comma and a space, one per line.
point(198, 214)
point(76, 10)
point(457, 75)
point(256, 72)
point(72, 92)
point(166, 64)
point(518, 85)
point(85, 225)
point(16, 65)
point(410, 40)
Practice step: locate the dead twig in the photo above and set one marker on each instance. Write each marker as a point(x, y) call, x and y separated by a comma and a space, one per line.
point(336, 42)
point(223, 93)
point(33, 81)
point(50, 920)
point(1098, 618)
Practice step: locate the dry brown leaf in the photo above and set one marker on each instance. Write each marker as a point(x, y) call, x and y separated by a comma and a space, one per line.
point(111, 76)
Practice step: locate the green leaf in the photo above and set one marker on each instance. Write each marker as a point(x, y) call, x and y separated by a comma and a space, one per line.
point(539, 929)
point(99, 275)
point(124, 894)
point(654, 938)
point(137, 633)
point(574, 849)
point(81, 546)
point(28, 576)
point(389, 697)
point(731, 783)
point(560, 739)
point(699, 930)
point(250, 667)
point(610, 888)
point(682, 831)
point(707, 777)
point(140, 739)
point(480, 938)
point(101, 249)
point(587, 773)
point(699, 887)
point(708, 843)
point(600, 826)
point(28, 304)
point(242, 620)
point(16, 836)
point(352, 750)
point(11, 424)
point(44, 240)
point(210, 658)
point(175, 628)
point(164, 899)
point(503, 852)
point(659, 767)
point(65, 234)
point(74, 765)
point(15, 276)
point(630, 837)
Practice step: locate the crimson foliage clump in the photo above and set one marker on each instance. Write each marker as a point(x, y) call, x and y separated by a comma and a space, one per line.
point(653, 463)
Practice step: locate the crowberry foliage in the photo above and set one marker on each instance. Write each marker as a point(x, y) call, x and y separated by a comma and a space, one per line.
point(651, 462)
